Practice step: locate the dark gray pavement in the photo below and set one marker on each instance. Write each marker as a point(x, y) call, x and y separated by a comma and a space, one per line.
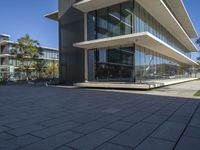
point(45, 118)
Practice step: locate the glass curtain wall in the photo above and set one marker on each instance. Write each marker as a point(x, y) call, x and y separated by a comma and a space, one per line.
point(112, 64)
point(130, 63)
point(145, 22)
point(111, 21)
point(153, 66)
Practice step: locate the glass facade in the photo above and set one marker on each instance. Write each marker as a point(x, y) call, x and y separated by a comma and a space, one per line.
point(9, 64)
point(153, 66)
point(112, 21)
point(131, 62)
point(145, 22)
point(49, 54)
point(114, 64)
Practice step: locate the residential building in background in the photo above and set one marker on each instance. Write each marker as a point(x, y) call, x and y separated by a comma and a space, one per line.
point(124, 40)
point(9, 65)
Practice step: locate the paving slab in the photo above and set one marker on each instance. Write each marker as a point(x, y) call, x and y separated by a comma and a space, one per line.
point(109, 118)
point(133, 136)
point(6, 136)
point(78, 119)
point(192, 132)
point(89, 127)
point(53, 142)
point(2, 128)
point(64, 148)
point(26, 129)
point(25, 140)
point(159, 119)
point(188, 143)
point(155, 144)
point(6, 145)
point(110, 146)
point(57, 121)
point(119, 125)
point(179, 119)
point(136, 117)
point(195, 122)
point(28, 122)
point(93, 140)
point(169, 131)
point(47, 132)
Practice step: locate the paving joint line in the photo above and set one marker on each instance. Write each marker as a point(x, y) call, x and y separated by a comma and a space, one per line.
point(135, 125)
point(198, 106)
point(160, 125)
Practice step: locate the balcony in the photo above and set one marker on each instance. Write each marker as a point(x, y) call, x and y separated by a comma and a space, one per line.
point(157, 8)
point(144, 39)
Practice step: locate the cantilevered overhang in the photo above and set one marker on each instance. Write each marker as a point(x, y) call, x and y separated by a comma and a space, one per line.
point(157, 8)
point(179, 10)
point(53, 15)
point(144, 39)
point(90, 5)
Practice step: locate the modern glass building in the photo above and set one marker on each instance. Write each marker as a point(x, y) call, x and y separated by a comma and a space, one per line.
point(124, 40)
point(9, 65)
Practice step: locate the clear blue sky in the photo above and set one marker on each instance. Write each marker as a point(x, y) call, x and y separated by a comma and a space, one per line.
point(19, 17)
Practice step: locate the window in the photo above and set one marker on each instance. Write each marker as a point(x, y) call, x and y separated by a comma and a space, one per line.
point(102, 23)
point(91, 25)
point(127, 17)
point(112, 21)
point(114, 24)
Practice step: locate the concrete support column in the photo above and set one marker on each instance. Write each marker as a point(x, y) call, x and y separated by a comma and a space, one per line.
point(86, 50)
point(86, 64)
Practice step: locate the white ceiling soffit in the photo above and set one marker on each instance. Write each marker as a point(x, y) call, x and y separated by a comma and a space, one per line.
point(144, 39)
point(179, 10)
point(90, 5)
point(159, 10)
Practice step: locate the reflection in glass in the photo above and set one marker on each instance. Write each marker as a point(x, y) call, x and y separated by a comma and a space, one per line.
point(153, 66)
point(115, 64)
point(127, 17)
point(131, 63)
point(114, 25)
point(102, 23)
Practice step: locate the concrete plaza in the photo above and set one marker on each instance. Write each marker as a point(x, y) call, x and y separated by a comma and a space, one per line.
point(46, 118)
point(185, 90)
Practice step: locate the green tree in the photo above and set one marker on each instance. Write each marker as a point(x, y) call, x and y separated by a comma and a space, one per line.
point(27, 51)
point(40, 67)
point(198, 43)
point(52, 68)
point(198, 58)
